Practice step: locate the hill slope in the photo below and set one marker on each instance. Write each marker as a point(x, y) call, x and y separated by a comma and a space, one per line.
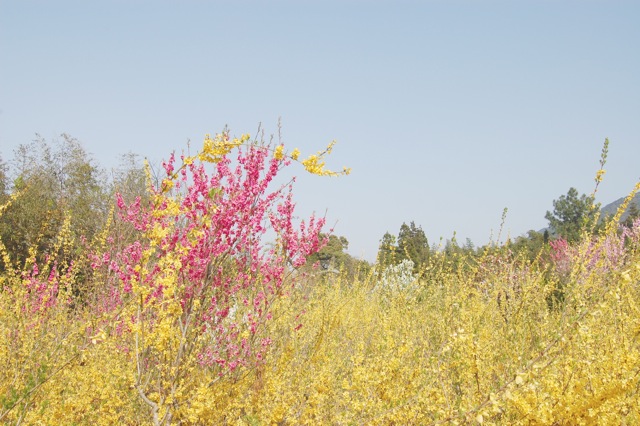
point(612, 208)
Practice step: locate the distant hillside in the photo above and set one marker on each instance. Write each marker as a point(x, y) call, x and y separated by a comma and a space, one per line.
point(612, 208)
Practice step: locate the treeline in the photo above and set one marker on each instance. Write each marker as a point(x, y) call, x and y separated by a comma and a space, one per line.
point(60, 179)
point(56, 181)
point(574, 217)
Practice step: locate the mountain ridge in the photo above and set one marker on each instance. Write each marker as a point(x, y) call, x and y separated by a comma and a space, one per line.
point(611, 208)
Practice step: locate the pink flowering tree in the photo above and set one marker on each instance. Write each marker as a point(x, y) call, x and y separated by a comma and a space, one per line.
point(217, 248)
point(601, 255)
point(598, 256)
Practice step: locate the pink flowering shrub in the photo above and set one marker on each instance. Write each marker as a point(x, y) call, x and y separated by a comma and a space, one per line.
point(601, 256)
point(195, 290)
point(560, 255)
point(631, 234)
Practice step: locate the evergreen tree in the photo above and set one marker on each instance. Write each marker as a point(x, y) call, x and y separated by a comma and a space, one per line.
point(413, 245)
point(572, 214)
point(388, 250)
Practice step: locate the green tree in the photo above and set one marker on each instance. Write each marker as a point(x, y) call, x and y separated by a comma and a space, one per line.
point(333, 254)
point(469, 247)
point(129, 178)
point(388, 251)
point(452, 248)
point(413, 245)
point(333, 257)
point(3, 180)
point(572, 213)
point(531, 244)
point(55, 181)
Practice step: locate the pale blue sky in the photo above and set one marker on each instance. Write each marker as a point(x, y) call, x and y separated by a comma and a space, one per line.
point(447, 111)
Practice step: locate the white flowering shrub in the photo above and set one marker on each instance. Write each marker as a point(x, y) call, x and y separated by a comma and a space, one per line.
point(396, 278)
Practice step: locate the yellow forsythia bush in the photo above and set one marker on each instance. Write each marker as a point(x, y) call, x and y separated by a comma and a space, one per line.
point(489, 339)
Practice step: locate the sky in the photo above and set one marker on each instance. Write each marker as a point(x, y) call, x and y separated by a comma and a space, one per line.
point(446, 111)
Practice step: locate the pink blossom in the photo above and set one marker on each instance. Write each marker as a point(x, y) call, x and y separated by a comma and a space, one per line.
point(225, 265)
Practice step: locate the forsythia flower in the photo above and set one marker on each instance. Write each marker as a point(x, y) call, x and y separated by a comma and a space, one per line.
point(314, 165)
point(295, 154)
point(178, 304)
point(279, 152)
point(214, 149)
point(167, 184)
